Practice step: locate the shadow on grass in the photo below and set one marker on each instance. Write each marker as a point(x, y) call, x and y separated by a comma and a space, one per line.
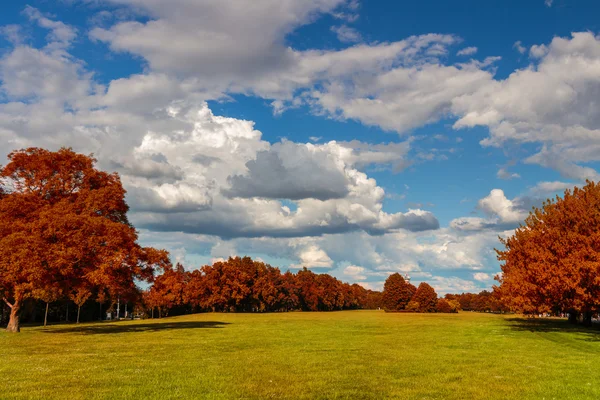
point(541, 325)
point(121, 327)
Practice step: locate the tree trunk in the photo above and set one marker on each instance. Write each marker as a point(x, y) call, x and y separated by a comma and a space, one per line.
point(46, 315)
point(14, 323)
point(573, 317)
point(587, 318)
point(78, 311)
point(67, 314)
point(152, 312)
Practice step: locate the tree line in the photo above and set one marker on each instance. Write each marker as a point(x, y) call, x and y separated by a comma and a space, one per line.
point(244, 285)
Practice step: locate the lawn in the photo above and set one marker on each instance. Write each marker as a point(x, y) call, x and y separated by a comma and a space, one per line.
point(338, 355)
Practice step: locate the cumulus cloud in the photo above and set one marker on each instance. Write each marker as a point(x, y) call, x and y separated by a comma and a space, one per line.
point(198, 175)
point(547, 103)
point(292, 171)
point(313, 257)
point(500, 212)
point(496, 204)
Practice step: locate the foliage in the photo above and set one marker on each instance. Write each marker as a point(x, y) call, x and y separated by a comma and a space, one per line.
point(483, 301)
point(552, 263)
point(444, 306)
point(64, 231)
point(397, 292)
point(425, 297)
point(413, 306)
point(243, 285)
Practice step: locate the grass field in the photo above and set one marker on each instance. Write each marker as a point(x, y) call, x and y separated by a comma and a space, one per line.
point(351, 354)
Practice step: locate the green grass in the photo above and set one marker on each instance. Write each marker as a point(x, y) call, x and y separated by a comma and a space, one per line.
point(341, 355)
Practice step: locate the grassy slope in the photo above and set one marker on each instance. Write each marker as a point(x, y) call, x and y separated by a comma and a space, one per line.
point(355, 354)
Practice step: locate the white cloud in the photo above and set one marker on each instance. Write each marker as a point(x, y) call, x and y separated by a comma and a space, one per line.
point(178, 159)
point(538, 51)
point(503, 173)
point(61, 35)
point(519, 47)
point(467, 51)
point(550, 103)
point(496, 204)
point(482, 276)
point(547, 188)
point(313, 257)
point(346, 34)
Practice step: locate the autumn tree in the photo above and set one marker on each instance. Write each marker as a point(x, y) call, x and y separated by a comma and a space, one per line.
point(443, 306)
point(167, 291)
point(396, 293)
point(63, 225)
point(425, 297)
point(552, 263)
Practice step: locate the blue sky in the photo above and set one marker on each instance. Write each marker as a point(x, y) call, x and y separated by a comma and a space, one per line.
point(352, 137)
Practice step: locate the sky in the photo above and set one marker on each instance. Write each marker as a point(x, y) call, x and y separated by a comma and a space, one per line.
point(355, 138)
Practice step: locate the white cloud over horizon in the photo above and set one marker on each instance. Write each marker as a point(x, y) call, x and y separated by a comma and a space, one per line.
point(212, 185)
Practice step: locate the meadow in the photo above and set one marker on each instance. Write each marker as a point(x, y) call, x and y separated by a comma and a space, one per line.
point(334, 355)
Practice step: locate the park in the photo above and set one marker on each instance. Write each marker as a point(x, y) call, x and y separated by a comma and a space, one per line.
point(241, 328)
point(305, 355)
point(299, 199)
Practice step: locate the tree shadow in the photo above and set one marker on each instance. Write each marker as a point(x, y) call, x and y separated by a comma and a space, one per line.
point(123, 327)
point(545, 325)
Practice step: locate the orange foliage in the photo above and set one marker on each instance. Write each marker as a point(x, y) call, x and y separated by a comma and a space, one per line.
point(244, 285)
point(397, 293)
point(64, 230)
point(425, 297)
point(552, 264)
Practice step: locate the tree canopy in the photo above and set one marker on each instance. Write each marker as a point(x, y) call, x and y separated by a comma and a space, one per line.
point(241, 284)
point(397, 292)
point(64, 231)
point(552, 263)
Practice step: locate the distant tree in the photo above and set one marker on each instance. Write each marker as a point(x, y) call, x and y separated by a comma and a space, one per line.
point(426, 297)
point(63, 222)
point(396, 293)
point(552, 263)
point(167, 292)
point(443, 306)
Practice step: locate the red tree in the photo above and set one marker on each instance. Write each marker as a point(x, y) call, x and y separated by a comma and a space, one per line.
point(552, 263)
point(396, 293)
point(62, 223)
point(425, 297)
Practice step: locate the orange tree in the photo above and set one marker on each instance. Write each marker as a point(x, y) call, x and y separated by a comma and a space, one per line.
point(425, 297)
point(63, 227)
point(552, 263)
point(397, 293)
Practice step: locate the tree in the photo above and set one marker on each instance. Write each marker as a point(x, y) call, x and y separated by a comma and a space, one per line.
point(426, 297)
point(63, 223)
point(167, 292)
point(444, 306)
point(396, 293)
point(79, 296)
point(552, 263)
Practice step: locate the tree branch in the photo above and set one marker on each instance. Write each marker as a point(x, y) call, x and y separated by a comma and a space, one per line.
point(7, 303)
